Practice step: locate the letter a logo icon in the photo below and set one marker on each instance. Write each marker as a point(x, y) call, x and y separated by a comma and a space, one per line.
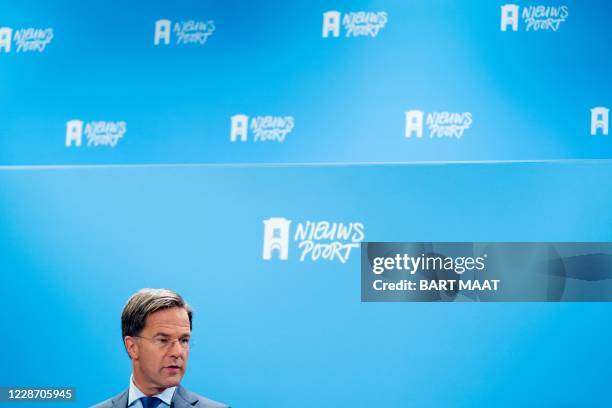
point(599, 120)
point(509, 16)
point(414, 123)
point(239, 128)
point(74, 132)
point(162, 32)
point(276, 238)
point(331, 22)
point(5, 39)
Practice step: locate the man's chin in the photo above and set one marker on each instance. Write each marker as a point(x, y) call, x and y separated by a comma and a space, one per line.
point(172, 379)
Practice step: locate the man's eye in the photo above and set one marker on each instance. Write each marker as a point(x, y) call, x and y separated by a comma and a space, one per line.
point(184, 342)
point(163, 341)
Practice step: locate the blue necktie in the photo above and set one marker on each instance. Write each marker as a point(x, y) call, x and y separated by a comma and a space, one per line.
point(150, 402)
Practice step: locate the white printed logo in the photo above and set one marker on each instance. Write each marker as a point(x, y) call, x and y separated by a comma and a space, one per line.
point(276, 237)
point(356, 24)
point(264, 128)
point(439, 124)
point(25, 39)
point(599, 120)
point(315, 239)
point(98, 133)
point(185, 32)
point(535, 18)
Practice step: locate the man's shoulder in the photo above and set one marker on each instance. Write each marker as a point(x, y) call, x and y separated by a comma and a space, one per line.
point(182, 398)
point(196, 400)
point(109, 403)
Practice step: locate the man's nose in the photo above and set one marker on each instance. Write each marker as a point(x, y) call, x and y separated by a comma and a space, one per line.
point(175, 349)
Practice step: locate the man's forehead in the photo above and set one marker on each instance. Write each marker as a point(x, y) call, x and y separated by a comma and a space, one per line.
point(171, 319)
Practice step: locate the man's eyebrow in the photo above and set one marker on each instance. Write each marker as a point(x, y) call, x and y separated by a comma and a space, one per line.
point(163, 334)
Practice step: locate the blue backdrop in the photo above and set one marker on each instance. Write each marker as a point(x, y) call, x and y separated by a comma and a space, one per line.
point(529, 93)
point(166, 193)
point(76, 243)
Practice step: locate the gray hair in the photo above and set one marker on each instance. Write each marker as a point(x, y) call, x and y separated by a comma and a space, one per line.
point(145, 302)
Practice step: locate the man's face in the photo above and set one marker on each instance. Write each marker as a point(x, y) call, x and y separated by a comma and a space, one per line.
point(159, 353)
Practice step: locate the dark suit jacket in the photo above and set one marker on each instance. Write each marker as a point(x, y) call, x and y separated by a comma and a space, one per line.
point(182, 398)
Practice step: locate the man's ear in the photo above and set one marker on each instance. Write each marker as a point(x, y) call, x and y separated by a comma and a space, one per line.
point(131, 346)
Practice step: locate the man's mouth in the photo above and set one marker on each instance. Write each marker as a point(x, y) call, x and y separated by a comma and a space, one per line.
point(173, 367)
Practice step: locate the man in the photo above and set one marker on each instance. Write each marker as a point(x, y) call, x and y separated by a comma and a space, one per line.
point(156, 328)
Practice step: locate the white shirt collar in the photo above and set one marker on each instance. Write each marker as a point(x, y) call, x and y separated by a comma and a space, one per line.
point(134, 394)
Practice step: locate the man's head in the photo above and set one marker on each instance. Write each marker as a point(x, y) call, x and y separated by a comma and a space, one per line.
point(156, 330)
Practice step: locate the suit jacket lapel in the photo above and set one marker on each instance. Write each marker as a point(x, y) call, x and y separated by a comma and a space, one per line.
point(121, 400)
point(182, 398)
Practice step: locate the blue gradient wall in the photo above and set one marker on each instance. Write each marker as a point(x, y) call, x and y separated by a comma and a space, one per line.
point(76, 243)
point(176, 203)
point(530, 93)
